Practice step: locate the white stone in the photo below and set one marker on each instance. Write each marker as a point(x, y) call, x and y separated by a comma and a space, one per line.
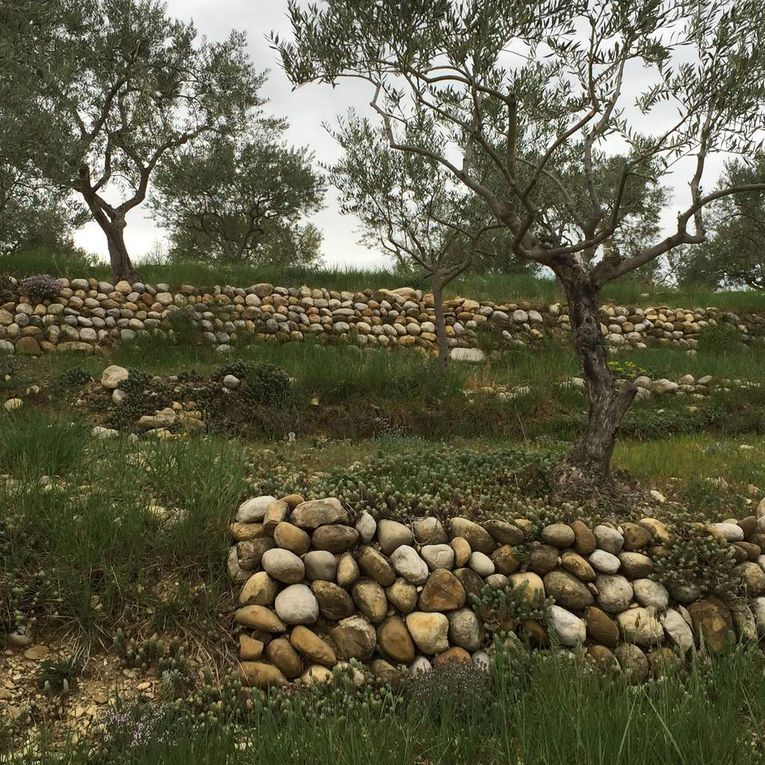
point(254, 509)
point(296, 604)
point(614, 592)
point(320, 564)
point(640, 626)
point(104, 433)
point(470, 355)
point(409, 564)
point(608, 539)
point(366, 525)
point(465, 629)
point(231, 382)
point(12, 404)
point(481, 563)
point(481, 660)
point(420, 666)
point(731, 531)
point(438, 556)
point(677, 629)
point(570, 629)
point(283, 565)
point(605, 562)
point(113, 375)
point(650, 594)
point(392, 534)
point(759, 615)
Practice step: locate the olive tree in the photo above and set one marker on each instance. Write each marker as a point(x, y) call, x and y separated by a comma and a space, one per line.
point(734, 254)
point(409, 206)
point(539, 92)
point(96, 93)
point(241, 198)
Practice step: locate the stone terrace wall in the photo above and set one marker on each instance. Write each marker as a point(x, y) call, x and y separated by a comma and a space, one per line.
point(88, 315)
point(321, 588)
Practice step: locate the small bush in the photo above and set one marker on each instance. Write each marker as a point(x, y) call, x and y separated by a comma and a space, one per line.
point(268, 384)
point(9, 289)
point(74, 376)
point(720, 339)
point(40, 287)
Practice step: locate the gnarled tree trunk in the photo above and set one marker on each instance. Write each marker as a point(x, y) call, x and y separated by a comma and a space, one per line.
point(438, 307)
point(122, 267)
point(589, 460)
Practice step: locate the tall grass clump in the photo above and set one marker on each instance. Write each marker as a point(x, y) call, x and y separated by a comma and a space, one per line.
point(36, 445)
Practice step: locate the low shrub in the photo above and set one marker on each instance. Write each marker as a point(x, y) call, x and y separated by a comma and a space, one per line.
point(40, 287)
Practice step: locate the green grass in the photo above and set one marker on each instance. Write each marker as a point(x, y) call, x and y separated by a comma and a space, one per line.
point(498, 288)
point(537, 710)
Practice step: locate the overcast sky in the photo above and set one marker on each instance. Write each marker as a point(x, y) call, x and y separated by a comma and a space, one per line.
point(306, 110)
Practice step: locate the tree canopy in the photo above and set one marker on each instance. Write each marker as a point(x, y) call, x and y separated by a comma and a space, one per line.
point(96, 93)
point(241, 197)
point(529, 101)
point(734, 254)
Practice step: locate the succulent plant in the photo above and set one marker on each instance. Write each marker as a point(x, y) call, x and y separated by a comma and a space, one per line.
point(40, 286)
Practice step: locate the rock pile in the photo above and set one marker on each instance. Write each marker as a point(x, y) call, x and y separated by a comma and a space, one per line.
point(321, 587)
point(88, 314)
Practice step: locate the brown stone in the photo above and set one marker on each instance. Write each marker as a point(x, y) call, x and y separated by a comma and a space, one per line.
point(454, 655)
point(504, 560)
point(753, 578)
point(712, 623)
point(660, 660)
point(282, 655)
point(750, 550)
point(259, 590)
point(543, 559)
point(293, 500)
point(386, 672)
point(633, 661)
point(250, 552)
point(535, 633)
point(241, 532)
point(347, 570)
point(260, 675)
point(28, 346)
point(312, 646)
point(530, 586)
point(354, 638)
point(276, 512)
point(635, 565)
point(477, 536)
point(559, 535)
point(584, 539)
point(334, 602)
point(575, 564)
point(603, 658)
point(748, 525)
point(402, 595)
point(376, 566)
point(319, 512)
point(462, 551)
point(370, 599)
point(568, 591)
point(442, 592)
point(658, 530)
point(601, 627)
point(504, 533)
point(471, 581)
point(259, 618)
point(395, 641)
point(250, 649)
point(292, 538)
point(636, 537)
point(335, 538)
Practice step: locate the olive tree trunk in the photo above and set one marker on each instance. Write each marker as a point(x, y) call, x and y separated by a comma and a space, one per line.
point(438, 307)
point(122, 267)
point(590, 458)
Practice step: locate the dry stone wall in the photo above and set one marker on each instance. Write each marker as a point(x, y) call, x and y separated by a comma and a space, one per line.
point(88, 315)
point(322, 588)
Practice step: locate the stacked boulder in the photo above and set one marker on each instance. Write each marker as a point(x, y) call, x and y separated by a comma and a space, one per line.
point(88, 314)
point(322, 588)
